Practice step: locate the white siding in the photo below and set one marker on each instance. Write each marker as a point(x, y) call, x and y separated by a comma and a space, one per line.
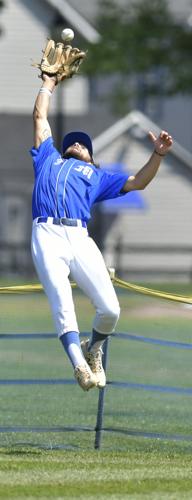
point(166, 220)
point(23, 36)
point(26, 28)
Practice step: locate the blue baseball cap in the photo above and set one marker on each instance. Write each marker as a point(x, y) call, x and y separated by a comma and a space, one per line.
point(80, 137)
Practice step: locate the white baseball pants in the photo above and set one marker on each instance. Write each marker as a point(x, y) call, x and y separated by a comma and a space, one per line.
point(58, 251)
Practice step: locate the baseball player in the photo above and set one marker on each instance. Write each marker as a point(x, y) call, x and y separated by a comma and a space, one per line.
point(66, 186)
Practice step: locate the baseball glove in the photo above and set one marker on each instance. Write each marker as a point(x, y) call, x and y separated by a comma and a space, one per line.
point(59, 60)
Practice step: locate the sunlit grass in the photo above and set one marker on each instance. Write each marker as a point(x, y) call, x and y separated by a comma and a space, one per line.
point(56, 463)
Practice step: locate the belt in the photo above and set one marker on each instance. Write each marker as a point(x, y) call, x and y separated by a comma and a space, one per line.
point(63, 221)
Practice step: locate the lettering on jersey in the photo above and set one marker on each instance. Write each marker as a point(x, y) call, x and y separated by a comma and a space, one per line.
point(87, 171)
point(58, 161)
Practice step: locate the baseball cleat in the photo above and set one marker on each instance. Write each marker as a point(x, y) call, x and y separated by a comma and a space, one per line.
point(94, 360)
point(85, 378)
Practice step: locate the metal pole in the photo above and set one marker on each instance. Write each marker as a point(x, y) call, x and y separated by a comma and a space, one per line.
point(101, 400)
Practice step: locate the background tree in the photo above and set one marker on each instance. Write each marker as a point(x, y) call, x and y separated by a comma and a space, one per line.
point(145, 43)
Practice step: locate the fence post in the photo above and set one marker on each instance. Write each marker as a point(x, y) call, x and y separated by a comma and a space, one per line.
point(101, 400)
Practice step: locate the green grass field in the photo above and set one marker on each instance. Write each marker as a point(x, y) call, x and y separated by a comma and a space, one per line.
point(47, 431)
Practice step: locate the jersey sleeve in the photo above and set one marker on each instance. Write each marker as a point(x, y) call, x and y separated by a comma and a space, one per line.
point(45, 150)
point(111, 185)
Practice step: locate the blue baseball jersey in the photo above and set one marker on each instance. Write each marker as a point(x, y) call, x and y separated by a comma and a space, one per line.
point(68, 188)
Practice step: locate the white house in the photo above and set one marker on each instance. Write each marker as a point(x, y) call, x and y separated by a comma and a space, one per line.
point(166, 220)
point(155, 241)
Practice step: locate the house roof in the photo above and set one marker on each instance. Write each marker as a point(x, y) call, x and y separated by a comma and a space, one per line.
point(75, 19)
point(144, 124)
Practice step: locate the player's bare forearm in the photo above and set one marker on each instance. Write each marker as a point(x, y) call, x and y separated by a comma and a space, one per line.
point(42, 102)
point(145, 175)
point(42, 128)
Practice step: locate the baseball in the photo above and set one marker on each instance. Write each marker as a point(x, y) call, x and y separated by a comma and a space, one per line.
point(67, 35)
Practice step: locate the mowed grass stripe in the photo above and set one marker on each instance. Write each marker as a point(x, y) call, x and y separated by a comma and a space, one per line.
point(95, 475)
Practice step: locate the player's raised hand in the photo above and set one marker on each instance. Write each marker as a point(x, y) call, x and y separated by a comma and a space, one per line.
point(162, 143)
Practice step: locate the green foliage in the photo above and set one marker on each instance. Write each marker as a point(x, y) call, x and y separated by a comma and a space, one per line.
point(142, 39)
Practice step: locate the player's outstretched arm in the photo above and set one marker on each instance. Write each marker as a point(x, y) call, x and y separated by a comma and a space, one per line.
point(42, 128)
point(162, 145)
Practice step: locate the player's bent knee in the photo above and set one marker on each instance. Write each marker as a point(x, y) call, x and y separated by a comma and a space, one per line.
point(106, 321)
